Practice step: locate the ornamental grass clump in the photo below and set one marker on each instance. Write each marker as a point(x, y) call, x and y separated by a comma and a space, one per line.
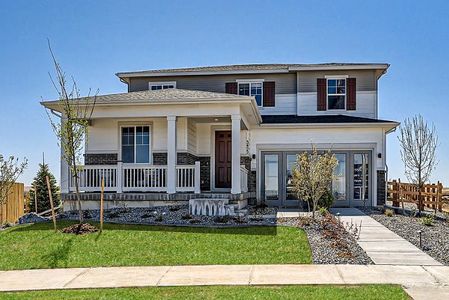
point(312, 176)
point(427, 220)
point(389, 212)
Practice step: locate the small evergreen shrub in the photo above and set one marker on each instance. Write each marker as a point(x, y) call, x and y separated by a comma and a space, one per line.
point(186, 217)
point(159, 218)
point(39, 187)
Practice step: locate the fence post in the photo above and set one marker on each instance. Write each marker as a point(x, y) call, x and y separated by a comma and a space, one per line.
point(119, 175)
point(395, 193)
point(197, 177)
point(440, 196)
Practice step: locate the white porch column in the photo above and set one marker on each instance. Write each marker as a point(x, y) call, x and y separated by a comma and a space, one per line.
point(171, 154)
point(235, 162)
point(65, 174)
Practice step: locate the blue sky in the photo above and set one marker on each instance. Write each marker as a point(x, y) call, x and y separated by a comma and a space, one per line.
point(95, 39)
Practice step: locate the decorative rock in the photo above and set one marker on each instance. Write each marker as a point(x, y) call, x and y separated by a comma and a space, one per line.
point(32, 218)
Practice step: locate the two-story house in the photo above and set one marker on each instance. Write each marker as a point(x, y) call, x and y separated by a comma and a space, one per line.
point(233, 132)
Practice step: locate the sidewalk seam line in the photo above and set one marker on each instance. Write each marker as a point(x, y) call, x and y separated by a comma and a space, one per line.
point(433, 276)
point(165, 273)
point(340, 274)
point(76, 277)
point(251, 272)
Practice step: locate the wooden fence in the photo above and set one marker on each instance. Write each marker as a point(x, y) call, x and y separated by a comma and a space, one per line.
point(13, 209)
point(431, 194)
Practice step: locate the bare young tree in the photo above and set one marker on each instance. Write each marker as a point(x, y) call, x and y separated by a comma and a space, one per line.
point(72, 127)
point(10, 170)
point(312, 176)
point(418, 142)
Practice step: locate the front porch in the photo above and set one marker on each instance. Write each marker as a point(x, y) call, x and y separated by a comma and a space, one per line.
point(168, 147)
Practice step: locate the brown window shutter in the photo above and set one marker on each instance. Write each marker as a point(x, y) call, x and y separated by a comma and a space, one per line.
point(351, 94)
point(269, 94)
point(231, 88)
point(321, 93)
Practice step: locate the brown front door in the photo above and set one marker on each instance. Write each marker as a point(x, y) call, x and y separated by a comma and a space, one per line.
point(223, 154)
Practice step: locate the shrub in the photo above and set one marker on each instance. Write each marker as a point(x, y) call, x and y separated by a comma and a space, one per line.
point(159, 218)
point(194, 221)
point(389, 212)
point(174, 208)
point(427, 220)
point(327, 200)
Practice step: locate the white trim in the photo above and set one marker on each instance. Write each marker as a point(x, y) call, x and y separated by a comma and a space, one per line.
point(161, 83)
point(336, 76)
point(249, 82)
point(336, 94)
point(150, 142)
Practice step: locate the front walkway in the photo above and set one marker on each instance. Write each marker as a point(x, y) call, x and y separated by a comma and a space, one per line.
point(414, 278)
point(382, 245)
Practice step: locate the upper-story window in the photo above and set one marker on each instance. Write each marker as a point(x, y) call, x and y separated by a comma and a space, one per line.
point(252, 89)
point(162, 85)
point(336, 93)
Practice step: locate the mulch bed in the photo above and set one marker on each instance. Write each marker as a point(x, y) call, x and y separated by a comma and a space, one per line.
point(83, 228)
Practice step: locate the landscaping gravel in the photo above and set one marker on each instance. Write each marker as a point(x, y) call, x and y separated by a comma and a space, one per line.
point(330, 243)
point(435, 239)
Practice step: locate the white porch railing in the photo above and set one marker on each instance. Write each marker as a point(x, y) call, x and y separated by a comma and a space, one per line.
point(90, 178)
point(243, 179)
point(136, 178)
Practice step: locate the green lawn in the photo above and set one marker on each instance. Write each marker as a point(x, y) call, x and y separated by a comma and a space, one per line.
point(365, 292)
point(37, 246)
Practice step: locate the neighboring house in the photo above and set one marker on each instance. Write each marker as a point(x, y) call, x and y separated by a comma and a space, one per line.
point(234, 132)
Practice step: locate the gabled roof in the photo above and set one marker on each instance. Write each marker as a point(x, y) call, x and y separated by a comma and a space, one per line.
point(252, 68)
point(158, 96)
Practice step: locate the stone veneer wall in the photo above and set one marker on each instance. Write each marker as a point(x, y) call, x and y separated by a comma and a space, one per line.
point(381, 187)
point(100, 158)
point(246, 160)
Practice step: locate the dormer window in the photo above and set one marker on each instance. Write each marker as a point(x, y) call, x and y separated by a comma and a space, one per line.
point(154, 86)
point(336, 93)
point(252, 89)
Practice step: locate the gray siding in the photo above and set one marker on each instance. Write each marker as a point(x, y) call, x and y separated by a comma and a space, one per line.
point(366, 79)
point(285, 83)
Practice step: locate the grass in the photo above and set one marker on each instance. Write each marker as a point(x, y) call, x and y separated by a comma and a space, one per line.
point(38, 246)
point(365, 292)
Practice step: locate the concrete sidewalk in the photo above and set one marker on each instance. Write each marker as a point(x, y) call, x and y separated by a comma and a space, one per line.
point(382, 245)
point(414, 277)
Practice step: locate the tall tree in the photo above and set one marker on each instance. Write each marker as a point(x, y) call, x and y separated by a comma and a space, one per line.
point(40, 185)
point(10, 170)
point(418, 142)
point(312, 176)
point(73, 125)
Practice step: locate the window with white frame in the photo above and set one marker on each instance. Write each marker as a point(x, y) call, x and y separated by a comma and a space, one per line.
point(252, 89)
point(154, 86)
point(135, 144)
point(336, 93)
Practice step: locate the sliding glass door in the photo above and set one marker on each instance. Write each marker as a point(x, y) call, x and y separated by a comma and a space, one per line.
point(351, 185)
